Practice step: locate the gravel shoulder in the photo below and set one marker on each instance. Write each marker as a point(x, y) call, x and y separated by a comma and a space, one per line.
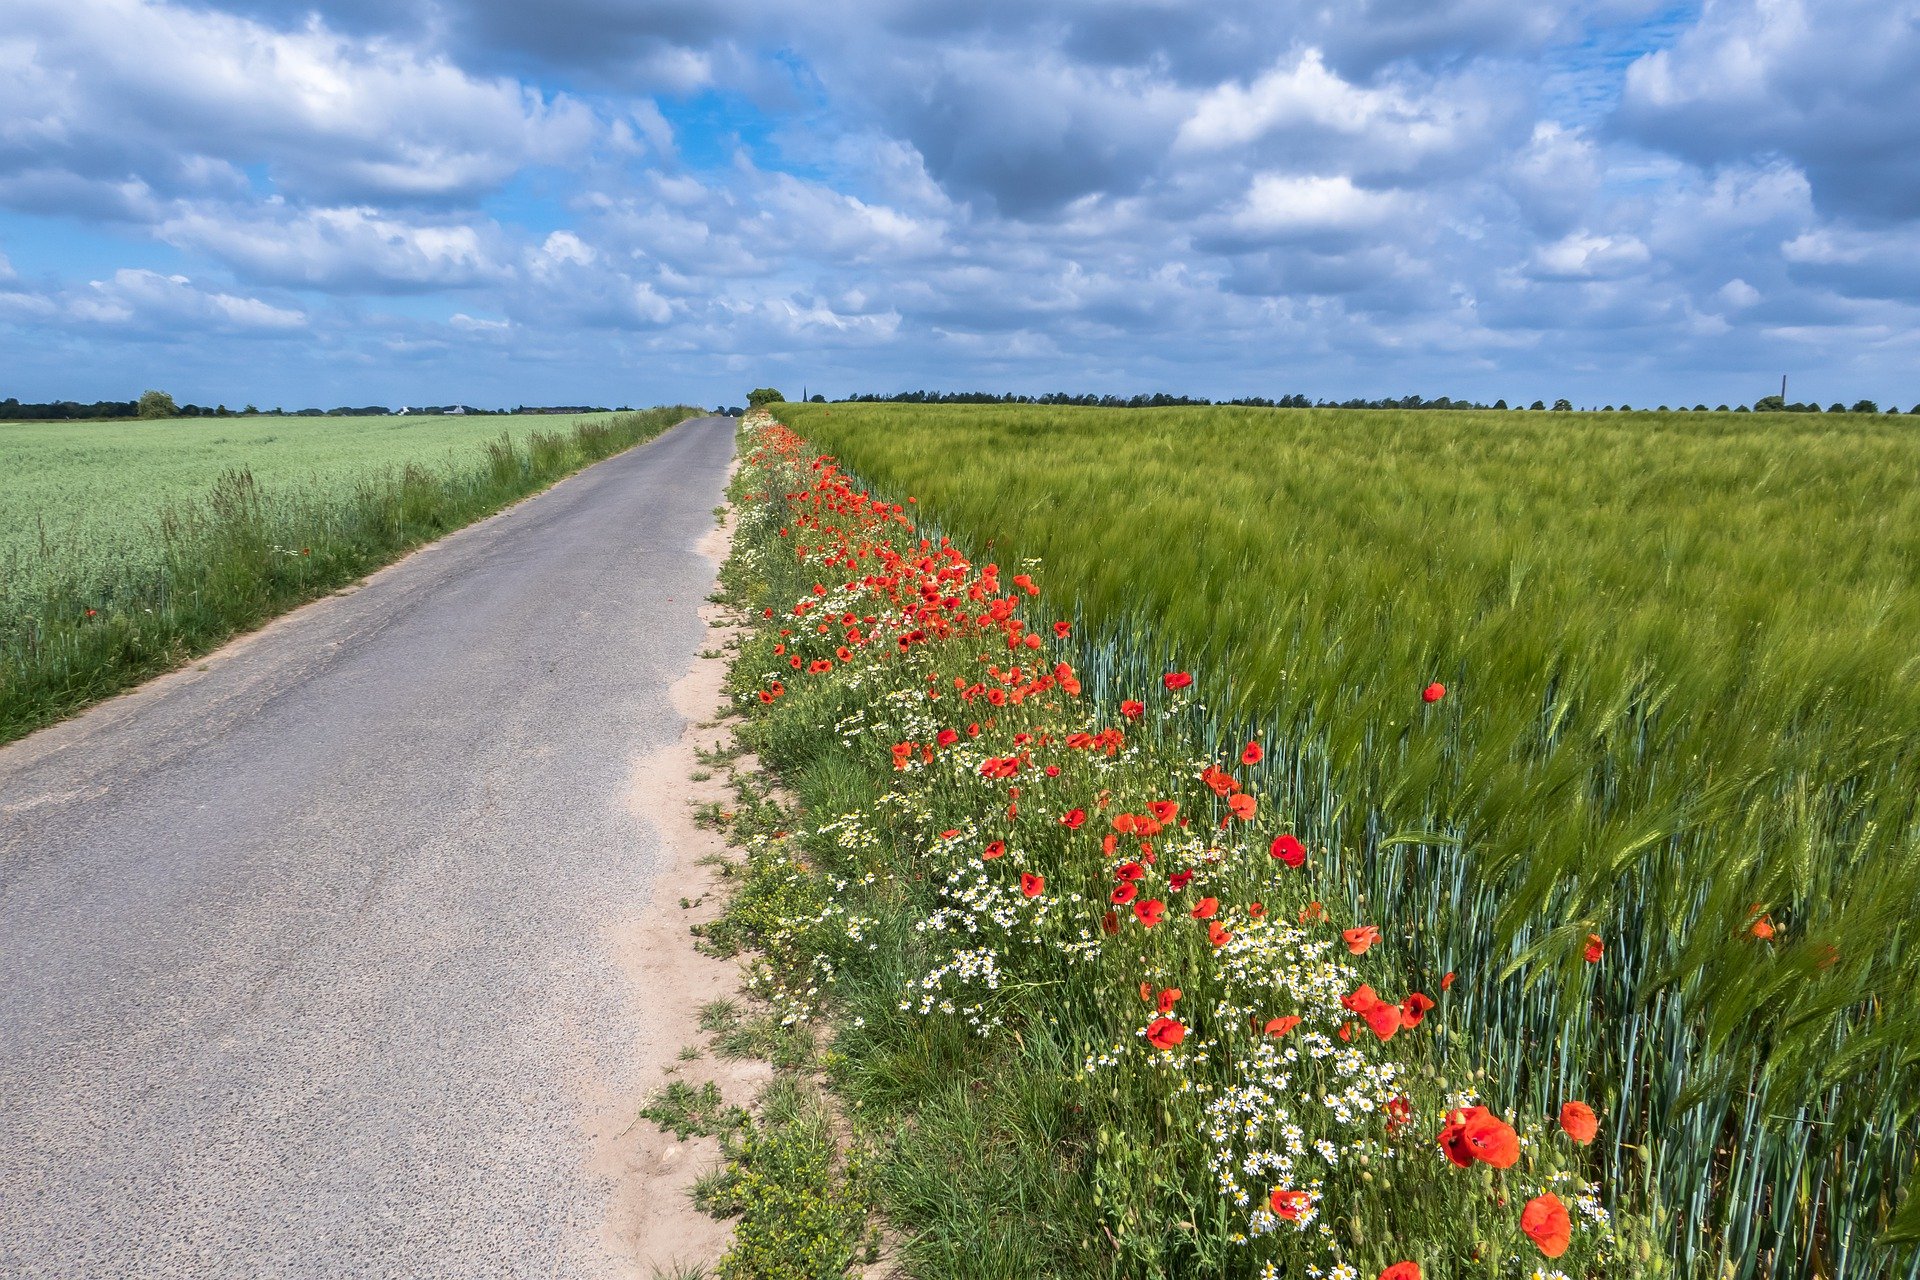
point(341, 952)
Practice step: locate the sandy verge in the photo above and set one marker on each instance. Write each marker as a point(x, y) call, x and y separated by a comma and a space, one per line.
point(652, 1227)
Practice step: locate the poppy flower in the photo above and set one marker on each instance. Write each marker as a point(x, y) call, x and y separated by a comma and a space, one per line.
point(1110, 924)
point(1180, 879)
point(1446, 980)
point(1167, 999)
point(1595, 949)
point(994, 850)
point(1133, 710)
point(1414, 1008)
point(1206, 908)
point(1108, 843)
point(1123, 893)
point(1216, 935)
point(92, 613)
point(1252, 753)
point(1546, 1223)
point(1031, 885)
point(1762, 927)
point(1360, 938)
point(1384, 1019)
point(1491, 1139)
point(1399, 1114)
point(1289, 850)
point(1255, 910)
point(1243, 806)
point(1578, 1122)
point(1402, 1271)
point(765, 696)
point(1151, 911)
point(1073, 819)
point(1165, 1033)
point(1311, 912)
point(1175, 680)
point(947, 737)
point(1061, 629)
point(1129, 871)
point(1277, 1027)
point(1163, 811)
point(1433, 692)
point(1288, 1204)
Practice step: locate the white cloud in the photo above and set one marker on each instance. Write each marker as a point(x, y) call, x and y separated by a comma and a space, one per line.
point(149, 300)
point(1279, 206)
point(1582, 255)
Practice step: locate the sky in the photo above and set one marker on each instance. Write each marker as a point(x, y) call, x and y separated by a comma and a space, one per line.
point(641, 201)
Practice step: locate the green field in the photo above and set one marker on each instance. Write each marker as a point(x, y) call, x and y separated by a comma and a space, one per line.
point(128, 548)
point(82, 499)
point(1683, 661)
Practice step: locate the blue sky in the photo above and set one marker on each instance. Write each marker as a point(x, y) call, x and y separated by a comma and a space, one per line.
point(407, 201)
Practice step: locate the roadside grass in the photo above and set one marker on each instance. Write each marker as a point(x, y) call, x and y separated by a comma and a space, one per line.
point(1679, 653)
point(71, 636)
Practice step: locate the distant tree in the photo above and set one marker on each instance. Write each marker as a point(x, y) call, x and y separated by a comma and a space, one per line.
point(1722, 409)
point(817, 398)
point(250, 410)
point(1864, 406)
point(157, 404)
point(1769, 404)
point(1561, 406)
point(764, 395)
point(1499, 404)
point(1740, 408)
point(1538, 404)
point(1836, 407)
point(1700, 408)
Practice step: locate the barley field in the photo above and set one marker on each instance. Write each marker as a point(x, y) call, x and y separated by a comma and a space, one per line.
point(1666, 830)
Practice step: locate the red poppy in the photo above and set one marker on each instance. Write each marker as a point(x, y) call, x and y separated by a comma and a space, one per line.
point(1216, 935)
point(1277, 1027)
point(1414, 1008)
point(92, 613)
point(994, 850)
point(1289, 850)
point(1163, 811)
point(1312, 911)
point(1176, 680)
point(1446, 980)
point(1384, 1019)
point(1595, 949)
point(1579, 1122)
point(1243, 806)
point(1110, 924)
point(1073, 819)
point(1399, 1114)
point(1108, 843)
point(1062, 628)
point(1165, 1033)
point(765, 696)
point(1360, 938)
point(1433, 692)
point(1180, 879)
point(1133, 710)
point(1546, 1223)
point(1168, 998)
point(1252, 753)
point(1151, 911)
point(1129, 871)
point(1402, 1271)
point(1031, 885)
point(1289, 1204)
point(1255, 910)
point(1206, 908)
point(1123, 893)
point(947, 737)
point(1492, 1140)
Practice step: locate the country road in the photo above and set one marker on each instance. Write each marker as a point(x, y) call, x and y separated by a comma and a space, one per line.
point(304, 966)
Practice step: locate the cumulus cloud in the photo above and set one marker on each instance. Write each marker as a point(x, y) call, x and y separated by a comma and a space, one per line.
point(146, 304)
point(356, 247)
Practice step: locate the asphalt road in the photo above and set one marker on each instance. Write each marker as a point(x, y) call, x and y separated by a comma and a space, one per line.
point(301, 957)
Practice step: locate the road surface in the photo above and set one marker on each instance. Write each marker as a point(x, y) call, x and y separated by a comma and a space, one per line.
point(302, 957)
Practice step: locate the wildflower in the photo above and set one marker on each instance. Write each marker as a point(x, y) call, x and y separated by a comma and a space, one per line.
point(1360, 938)
point(1288, 1204)
point(947, 737)
point(1475, 1133)
point(1595, 949)
point(1206, 908)
point(1073, 819)
point(1175, 680)
point(1031, 885)
point(1252, 753)
point(1168, 999)
point(1151, 912)
point(1546, 1223)
point(1402, 1271)
point(1216, 935)
point(1110, 924)
point(1288, 850)
point(1061, 629)
point(1277, 1027)
point(1133, 710)
point(996, 849)
point(1414, 1008)
point(1163, 811)
point(1123, 893)
point(1165, 1033)
point(1399, 1114)
point(1180, 880)
point(1311, 912)
point(1579, 1122)
point(1433, 692)
point(1446, 980)
point(1243, 806)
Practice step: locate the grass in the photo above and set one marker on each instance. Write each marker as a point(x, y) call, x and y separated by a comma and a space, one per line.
point(121, 561)
point(1681, 653)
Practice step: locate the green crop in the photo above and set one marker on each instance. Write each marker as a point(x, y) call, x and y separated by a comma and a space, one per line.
point(1682, 654)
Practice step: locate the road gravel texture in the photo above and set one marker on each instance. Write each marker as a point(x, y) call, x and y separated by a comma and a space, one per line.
point(305, 952)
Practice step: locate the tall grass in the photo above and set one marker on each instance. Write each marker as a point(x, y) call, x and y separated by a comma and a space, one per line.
point(73, 632)
point(1682, 654)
